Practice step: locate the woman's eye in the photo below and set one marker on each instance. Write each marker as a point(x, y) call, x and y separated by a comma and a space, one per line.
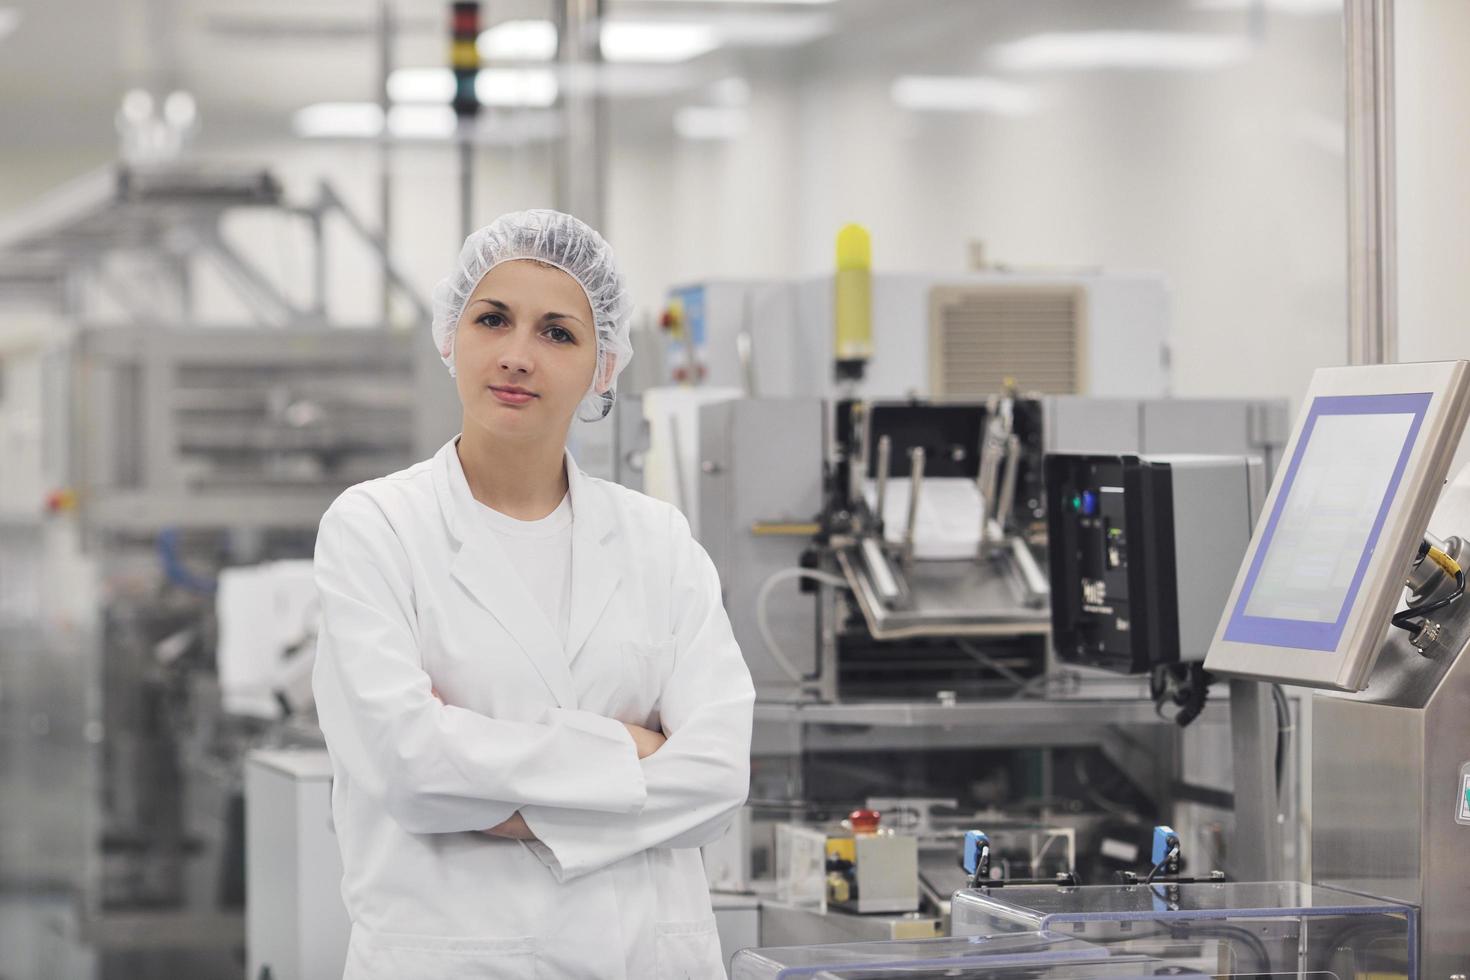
point(492, 319)
point(559, 335)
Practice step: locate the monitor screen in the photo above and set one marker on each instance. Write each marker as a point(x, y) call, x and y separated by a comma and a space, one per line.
point(1321, 533)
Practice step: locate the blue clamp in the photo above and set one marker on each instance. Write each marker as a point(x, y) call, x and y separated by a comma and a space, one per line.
point(977, 855)
point(1165, 853)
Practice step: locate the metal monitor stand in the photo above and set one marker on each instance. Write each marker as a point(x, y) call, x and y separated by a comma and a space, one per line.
point(1390, 773)
point(1389, 768)
point(1256, 851)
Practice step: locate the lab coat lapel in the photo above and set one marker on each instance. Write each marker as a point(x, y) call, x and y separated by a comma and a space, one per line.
point(595, 568)
point(481, 566)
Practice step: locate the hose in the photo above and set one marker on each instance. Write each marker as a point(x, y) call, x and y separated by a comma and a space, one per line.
point(763, 622)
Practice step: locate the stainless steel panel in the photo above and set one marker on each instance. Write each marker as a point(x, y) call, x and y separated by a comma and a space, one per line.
point(1386, 776)
point(761, 463)
point(787, 925)
point(1075, 424)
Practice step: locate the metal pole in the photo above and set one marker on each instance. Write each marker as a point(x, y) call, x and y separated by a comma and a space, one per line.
point(916, 481)
point(385, 147)
point(1255, 854)
point(1372, 232)
point(582, 150)
point(466, 179)
point(885, 452)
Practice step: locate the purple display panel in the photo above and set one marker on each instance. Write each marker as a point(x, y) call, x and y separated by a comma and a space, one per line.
point(1308, 634)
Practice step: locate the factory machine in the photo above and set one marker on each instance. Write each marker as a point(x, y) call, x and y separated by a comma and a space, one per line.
point(1351, 583)
point(883, 525)
point(164, 477)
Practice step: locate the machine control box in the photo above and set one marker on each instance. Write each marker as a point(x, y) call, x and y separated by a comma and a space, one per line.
point(1143, 551)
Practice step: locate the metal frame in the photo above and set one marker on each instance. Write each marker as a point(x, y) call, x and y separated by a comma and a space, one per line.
point(166, 217)
point(1372, 205)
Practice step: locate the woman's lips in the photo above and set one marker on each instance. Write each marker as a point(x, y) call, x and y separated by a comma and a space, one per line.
point(510, 396)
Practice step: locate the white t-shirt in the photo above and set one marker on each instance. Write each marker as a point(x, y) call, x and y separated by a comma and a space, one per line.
point(541, 551)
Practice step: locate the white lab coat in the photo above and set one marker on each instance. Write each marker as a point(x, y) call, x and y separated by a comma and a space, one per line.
point(416, 593)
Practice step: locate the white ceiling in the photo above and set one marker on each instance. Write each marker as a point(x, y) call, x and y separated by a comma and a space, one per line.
point(251, 63)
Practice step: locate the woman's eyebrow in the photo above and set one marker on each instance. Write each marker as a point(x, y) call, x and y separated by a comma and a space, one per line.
point(563, 316)
point(493, 302)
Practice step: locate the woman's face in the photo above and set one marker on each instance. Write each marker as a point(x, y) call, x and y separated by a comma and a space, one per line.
point(525, 351)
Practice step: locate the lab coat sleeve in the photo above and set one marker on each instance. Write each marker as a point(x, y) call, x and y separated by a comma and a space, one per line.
point(437, 768)
point(700, 777)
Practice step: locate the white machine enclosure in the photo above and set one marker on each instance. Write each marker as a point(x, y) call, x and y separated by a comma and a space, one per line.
point(1347, 667)
point(1120, 343)
point(296, 925)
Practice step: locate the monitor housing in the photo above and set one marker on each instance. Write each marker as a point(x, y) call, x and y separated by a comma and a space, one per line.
point(1326, 564)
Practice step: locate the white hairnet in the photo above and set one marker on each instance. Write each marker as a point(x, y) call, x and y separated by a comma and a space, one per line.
point(571, 246)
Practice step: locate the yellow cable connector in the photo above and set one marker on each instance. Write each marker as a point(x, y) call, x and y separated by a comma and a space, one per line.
point(1444, 561)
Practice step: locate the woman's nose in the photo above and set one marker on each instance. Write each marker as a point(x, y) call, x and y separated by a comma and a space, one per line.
point(516, 354)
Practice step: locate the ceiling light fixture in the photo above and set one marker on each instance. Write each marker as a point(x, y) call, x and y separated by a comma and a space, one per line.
point(516, 87)
point(963, 93)
point(338, 120)
point(1091, 50)
point(518, 40)
point(656, 41)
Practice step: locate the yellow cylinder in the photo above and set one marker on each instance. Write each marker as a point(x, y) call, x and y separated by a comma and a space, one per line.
point(853, 301)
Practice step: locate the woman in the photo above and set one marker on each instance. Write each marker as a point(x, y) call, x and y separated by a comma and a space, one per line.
point(534, 705)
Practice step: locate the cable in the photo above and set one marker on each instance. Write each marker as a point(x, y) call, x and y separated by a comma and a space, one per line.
point(1413, 618)
point(1283, 733)
point(762, 620)
point(1173, 853)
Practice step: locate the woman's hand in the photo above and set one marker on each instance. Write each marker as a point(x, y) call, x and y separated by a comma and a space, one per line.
point(513, 829)
point(647, 742)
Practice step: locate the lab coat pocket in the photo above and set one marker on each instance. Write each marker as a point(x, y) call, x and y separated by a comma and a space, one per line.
point(401, 956)
point(688, 950)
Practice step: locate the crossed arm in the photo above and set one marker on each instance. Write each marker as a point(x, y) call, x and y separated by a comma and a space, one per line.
point(582, 790)
point(647, 742)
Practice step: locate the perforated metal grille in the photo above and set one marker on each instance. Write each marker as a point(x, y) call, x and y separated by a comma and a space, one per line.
point(983, 334)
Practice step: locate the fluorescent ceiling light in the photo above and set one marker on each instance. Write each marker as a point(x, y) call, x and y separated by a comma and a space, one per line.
point(626, 40)
point(767, 30)
point(533, 87)
point(518, 40)
point(700, 122)
point(9, 21)
point(425, 85)
point(422, 122)
point(342, 120)
point(493, 86)
point(1088, 50)
point(961, 93)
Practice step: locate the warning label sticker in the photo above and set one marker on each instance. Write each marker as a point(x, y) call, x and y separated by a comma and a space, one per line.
point(1462, 807)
